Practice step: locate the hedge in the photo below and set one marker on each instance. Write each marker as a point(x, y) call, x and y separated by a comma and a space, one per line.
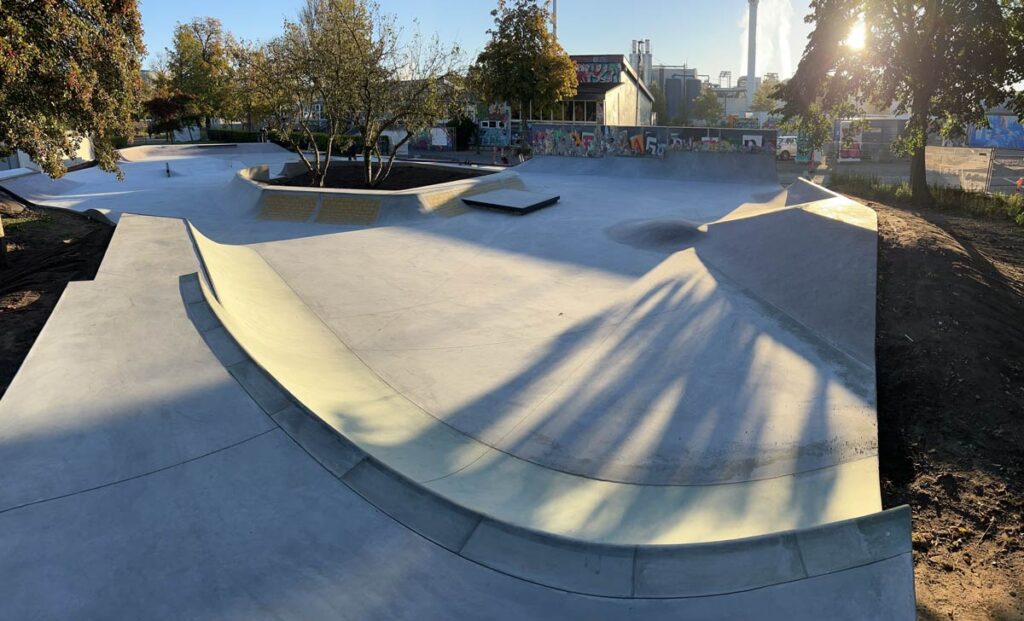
point(233, 135)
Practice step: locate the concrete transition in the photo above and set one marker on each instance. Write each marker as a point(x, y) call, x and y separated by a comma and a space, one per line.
point(655, 401)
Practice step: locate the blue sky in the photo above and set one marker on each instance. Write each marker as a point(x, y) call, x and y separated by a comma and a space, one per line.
point(707, 34)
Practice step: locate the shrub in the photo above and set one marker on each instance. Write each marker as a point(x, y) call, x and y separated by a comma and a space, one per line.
point(950, 199)
point(233, 135)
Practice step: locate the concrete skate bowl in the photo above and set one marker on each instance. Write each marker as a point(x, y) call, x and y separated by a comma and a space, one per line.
point(157, 151)
point(748, 168)
point(554, 527)
point(350, 207)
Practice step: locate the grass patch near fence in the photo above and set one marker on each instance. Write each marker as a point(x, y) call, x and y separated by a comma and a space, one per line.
point(948, 199)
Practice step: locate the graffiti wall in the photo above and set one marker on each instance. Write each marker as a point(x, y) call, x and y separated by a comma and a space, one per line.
point(1004, 132)
point(576, 140)
point(598, 73)
point(434, 139)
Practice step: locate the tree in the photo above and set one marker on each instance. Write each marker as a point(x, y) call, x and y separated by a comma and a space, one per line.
point(341, 66)
point(707, 107)
point(399, 87)
point(659, 107)
point(764, 100)
point(523, 63)
point(68, 69)
point(940, 61)
point(200, 66)
point(169, 114)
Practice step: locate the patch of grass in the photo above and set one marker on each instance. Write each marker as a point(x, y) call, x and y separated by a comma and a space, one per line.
point(950, 199)
point(29, 221)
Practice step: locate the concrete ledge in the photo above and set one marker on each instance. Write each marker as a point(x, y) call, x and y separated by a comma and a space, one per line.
point(370, 207)
point(553, 561)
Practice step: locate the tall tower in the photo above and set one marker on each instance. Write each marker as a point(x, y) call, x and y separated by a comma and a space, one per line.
point(751, 51)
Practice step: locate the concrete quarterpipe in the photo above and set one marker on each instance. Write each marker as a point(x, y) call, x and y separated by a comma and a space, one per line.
point(655, 400)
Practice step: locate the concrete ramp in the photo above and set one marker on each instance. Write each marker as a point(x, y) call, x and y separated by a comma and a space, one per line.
point(746, 168)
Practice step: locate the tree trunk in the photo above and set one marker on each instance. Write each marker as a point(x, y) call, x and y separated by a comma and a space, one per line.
point(920, 194)
point(3, 245)
point(919, 180)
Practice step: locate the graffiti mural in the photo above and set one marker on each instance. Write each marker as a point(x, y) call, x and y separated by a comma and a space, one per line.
point(434, 139)
point(575, 140)
point(1004, 132)
point(598, 73)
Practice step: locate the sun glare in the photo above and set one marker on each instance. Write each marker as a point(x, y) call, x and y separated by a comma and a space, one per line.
point(855, 40)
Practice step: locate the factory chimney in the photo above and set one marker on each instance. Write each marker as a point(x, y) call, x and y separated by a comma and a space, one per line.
point(751, 52)
point(554, 18)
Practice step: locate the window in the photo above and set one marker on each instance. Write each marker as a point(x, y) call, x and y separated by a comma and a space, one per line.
point(578, 111)
point(591, 111)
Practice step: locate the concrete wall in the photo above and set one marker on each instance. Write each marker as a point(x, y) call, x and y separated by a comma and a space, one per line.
point(591, 140)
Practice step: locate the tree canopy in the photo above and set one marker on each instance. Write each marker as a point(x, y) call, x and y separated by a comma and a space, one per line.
point(522, 62)
point(342, 68)
point(941, 62)
point(68, 69)
point(200, 66)
point(707, 107)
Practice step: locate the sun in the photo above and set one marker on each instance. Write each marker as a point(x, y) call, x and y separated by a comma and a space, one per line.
point(856, 38)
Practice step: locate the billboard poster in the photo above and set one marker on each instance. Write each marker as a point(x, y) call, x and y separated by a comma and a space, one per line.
point(850, 140)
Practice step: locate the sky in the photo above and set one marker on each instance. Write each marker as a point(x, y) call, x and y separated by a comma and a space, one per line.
point(707, 34)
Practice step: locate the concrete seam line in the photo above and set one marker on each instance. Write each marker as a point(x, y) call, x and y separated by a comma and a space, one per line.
point(142, 474)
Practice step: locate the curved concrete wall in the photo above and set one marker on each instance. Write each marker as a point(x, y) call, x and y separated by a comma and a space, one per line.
point(547, 558)
point(675, 166)
point(366, 207)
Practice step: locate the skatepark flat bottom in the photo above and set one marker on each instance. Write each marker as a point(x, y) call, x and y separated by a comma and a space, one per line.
point(514, 201)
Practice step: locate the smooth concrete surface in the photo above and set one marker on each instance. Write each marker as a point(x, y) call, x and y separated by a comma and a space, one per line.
point(248, 525)
point(608, 299)
point(295, 347)
point(574, 565)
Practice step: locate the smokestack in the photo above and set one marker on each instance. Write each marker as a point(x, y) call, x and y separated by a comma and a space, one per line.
point(751, 51)
point(554, 18)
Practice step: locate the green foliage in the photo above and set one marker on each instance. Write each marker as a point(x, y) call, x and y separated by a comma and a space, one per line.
point(234, 135)
point(764, 100)
point(523, 62)
point(660, 105)
point(706, 107)
point(169, 114)
point(199, 66)
point(941, 62)
point(950, 199)
point(68, 69)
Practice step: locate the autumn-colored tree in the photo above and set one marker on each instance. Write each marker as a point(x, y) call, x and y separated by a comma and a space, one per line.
point(68, 69)
point(523, 63)
point(941, 62)
point(200, 67)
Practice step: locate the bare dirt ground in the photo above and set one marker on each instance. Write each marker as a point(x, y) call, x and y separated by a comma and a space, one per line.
point(46, 248)
point(950, 359)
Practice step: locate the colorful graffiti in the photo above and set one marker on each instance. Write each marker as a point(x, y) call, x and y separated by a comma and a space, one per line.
point(1004, 132)
point(605, 140)
point(433, 139)
point(598, 73)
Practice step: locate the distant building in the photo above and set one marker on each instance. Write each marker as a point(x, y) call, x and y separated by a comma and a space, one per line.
point(610, 93)
point(681, 86)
